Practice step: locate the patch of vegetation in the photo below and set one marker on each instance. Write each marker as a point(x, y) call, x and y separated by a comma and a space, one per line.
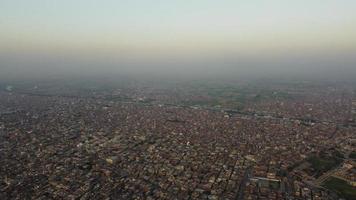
point(322, 163)
point(232, 96)
point(201, 103)
point(341, 187)
point(353, 155)
point(338, 154)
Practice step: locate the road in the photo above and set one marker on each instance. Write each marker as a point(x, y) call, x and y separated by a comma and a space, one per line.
point(240, 193)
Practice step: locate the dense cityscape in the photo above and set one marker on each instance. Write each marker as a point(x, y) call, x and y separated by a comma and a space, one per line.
point(184, 141)
point(177, 100)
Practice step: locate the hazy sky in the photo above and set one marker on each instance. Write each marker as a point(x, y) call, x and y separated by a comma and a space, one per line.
point(161, 29)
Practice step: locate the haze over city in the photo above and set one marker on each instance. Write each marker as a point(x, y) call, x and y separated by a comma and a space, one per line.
point(178, 100)
point(160, 37)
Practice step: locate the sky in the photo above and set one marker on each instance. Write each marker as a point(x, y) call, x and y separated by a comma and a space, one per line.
point(158, 34)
